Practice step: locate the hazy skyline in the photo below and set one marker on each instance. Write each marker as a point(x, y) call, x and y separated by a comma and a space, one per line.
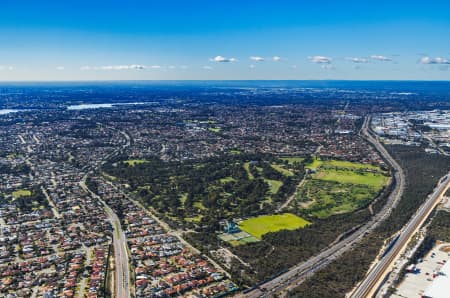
point(107, 40)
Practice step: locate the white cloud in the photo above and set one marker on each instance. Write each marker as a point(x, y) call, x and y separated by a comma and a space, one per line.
point(207, 67)
point(252, 66)
point(3, 67)
point(118, 67)
point(155, 67)
point(222, 59)
point(437, 60)
point(357, 59)
point(184, 67)
point(380, 58)
point(294, 66)
point(276, 58)
point(171, 67)
point(320, 59)
point(114, 67)
point(257, 58)
point(60, 68)
point(137, 66)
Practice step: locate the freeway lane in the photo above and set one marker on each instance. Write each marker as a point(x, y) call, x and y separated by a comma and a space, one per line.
point(122, 269)
point(297, 274)
point(122, 266)
point(377, 275)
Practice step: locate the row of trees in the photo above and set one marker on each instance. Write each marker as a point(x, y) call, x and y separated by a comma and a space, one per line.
point(422, 171)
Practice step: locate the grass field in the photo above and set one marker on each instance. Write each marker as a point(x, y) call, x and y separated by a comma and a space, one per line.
point(133, 162)
point(227, 179)
point(196, 219)
point(183, 198)
point(274, 185)
point(325, 198)
point(109, 176)
point(21, 193)
point(354, 177)
point(199, 205)
point(340, 164)
point(247, 169)
point(282, 170)
point(215, 129)
point(348, 164)
point(70, 157)
point(315, 164)
point(340, 187)
point(261, 225)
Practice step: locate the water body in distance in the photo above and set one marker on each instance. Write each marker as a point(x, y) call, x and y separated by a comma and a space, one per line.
point(8, 111)
point(102, 105)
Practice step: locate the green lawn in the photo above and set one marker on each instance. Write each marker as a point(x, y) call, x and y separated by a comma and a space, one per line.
point(274, 185)
point(326, 198)
point(227, 179)
point(133, 162)
point(347, 176)
point(340, 187)
point(199, 205)
point(247, 169)
point(21, 193)
point(315, 164)
point(282, 170)
point(183, 198)
point(195, 219)
point(348, 164)
point(70, 157)
point(340, 164)
point(258, 226)
point(109, 176)
point(215, 129)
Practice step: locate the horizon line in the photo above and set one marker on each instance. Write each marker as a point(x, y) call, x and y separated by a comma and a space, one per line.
point(226, 80)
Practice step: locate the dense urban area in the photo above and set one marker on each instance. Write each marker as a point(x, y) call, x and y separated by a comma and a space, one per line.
point(250, 189)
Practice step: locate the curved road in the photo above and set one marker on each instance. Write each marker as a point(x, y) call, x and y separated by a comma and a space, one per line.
point(122, 265)
point(297, 274)
point(122, 268)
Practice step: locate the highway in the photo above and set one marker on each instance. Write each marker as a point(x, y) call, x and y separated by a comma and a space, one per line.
point(378, 273)
point(297, 274)
point(122, 266)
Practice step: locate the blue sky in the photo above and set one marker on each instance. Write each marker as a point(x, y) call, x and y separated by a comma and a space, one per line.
point(157, 40)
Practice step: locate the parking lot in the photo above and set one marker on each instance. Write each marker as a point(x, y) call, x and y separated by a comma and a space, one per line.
point(422, 276)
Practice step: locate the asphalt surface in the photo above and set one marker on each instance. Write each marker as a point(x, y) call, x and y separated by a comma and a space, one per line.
point(122, 266)
point(379, 272)
point(297, 274)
